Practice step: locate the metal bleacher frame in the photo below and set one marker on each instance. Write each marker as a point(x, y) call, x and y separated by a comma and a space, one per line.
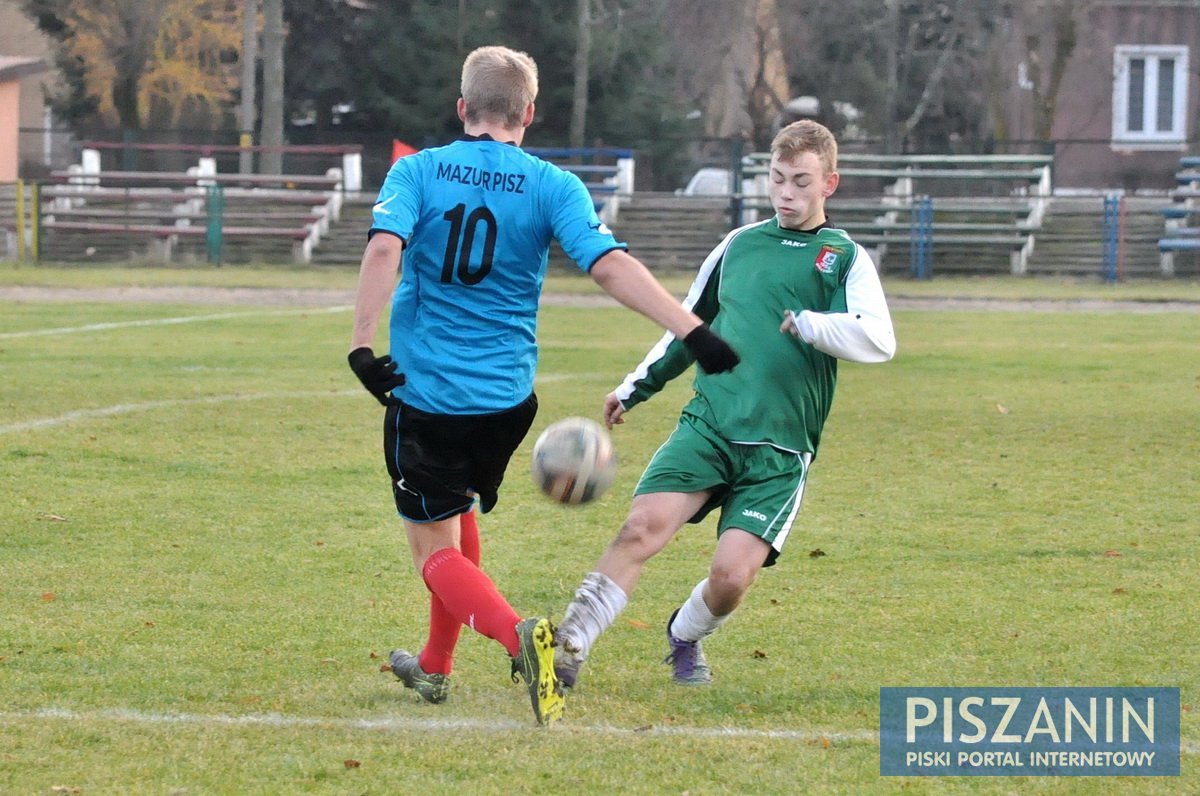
point(607, 173)
point(1008, 194)
point(1181, 231)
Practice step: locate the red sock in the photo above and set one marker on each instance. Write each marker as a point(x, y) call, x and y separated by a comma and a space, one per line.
point(444, 628)
point(468, 594)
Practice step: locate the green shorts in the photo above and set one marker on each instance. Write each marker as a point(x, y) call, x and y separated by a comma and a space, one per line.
point(758, 487)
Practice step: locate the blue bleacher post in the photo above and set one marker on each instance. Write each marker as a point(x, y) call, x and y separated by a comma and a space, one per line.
point(1112, 223)
point(920, 244)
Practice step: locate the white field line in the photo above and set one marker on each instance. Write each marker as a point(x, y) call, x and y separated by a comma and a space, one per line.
point(219, 316)
point(149, 406)
point(395, 724)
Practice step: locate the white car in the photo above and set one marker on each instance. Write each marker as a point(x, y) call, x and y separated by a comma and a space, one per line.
point(707, 182)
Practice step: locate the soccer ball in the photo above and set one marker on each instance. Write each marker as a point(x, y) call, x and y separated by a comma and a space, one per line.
point(574, 461)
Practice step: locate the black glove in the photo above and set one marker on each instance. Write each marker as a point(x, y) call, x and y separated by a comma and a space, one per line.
point(712, 353)
point(377, 374)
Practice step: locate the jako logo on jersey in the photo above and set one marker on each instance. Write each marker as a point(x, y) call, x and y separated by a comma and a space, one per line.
point(827, 258)
point(794, 243)
point(756, 515)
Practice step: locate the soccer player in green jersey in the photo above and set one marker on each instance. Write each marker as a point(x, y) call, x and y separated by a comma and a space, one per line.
point(793, 295)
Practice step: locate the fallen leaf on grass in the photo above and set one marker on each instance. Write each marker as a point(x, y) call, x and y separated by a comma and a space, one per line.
point(758, 654)
point(644, 728)
point(825, 742)
point(1112, 553)
point(45, 515)
point(48, 596)
point(65, 789)
point(374, 655)
point(351, 763)
point(1002, 409)
point(384, 667)
point(1119, 590)
point(637, 623)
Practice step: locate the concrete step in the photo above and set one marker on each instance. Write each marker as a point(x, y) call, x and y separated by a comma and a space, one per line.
point(348, 236)
point(671, 233)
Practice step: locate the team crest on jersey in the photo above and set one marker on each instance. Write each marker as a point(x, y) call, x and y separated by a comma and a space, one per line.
point(827, 258)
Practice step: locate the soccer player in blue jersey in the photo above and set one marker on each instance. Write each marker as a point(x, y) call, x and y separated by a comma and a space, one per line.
point(794, 294)
point(473, 222)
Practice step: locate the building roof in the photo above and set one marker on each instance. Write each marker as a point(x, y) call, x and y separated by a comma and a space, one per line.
point(15, 67)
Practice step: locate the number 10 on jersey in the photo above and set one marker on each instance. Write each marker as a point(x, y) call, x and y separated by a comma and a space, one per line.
point(461, 242)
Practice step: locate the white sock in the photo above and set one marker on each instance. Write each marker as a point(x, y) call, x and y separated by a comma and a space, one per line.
point(694, 621)
point(597, 602)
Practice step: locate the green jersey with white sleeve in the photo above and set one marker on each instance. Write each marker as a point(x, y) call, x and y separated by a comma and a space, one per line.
point(781, 392)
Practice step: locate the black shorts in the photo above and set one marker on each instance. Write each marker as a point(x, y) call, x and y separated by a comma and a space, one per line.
point(438, 463)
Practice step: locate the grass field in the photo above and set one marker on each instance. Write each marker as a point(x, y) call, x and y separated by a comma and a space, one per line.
point(564, 280)
point(201, 571)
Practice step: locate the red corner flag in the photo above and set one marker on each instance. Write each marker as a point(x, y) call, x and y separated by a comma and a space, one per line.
point(400, 149)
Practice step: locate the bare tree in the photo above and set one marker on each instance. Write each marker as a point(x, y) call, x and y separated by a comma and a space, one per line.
point(932, 84)
point(736, 54)
point(1050, 39)
point(891, 142)
point(769, 88)
point(271, 161)
point(583, 56)
point(247, 113)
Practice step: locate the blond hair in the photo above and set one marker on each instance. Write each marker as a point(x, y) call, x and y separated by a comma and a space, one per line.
point(807, 136)
point(498, 84)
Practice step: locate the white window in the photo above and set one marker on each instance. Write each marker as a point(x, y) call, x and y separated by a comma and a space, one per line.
point(1150, 94)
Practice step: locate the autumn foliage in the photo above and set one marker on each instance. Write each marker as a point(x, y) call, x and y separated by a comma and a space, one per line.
point(156, 62)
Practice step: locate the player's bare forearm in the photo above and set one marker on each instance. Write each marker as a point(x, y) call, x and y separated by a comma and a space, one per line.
point(376, 280)
point(628, 281)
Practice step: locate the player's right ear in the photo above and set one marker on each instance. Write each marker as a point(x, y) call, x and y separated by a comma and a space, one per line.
point(831, 184)
point(462, 110)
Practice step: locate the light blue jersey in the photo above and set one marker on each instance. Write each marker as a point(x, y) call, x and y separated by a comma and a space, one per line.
point(477, 218)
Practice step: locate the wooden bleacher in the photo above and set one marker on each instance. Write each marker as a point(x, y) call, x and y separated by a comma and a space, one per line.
point(169, 216)
point(987, 209)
